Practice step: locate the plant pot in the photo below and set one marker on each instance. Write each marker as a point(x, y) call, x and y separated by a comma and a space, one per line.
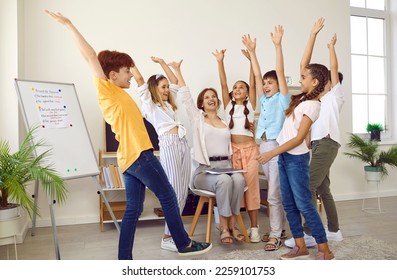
point(9, 227)
point(373, 173)
point(10, 212)
point(375, 135)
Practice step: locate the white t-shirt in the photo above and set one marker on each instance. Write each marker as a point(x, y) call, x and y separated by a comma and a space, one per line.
point(328, 121)
point(310, 108)
point(239, 118)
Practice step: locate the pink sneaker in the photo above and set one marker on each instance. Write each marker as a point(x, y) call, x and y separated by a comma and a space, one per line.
point(296, 254)
point(325, 257)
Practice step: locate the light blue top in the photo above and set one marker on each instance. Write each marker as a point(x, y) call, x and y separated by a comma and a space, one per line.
point(272, 114)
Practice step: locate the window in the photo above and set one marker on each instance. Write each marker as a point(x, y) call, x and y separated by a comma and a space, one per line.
point(369, 56)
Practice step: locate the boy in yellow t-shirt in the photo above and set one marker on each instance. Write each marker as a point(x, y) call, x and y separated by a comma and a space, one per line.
point(112, 73)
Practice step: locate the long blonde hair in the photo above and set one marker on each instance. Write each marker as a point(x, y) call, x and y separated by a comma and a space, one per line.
point(153, 83)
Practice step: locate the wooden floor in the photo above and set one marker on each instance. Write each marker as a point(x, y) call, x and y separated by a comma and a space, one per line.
point(87, 242)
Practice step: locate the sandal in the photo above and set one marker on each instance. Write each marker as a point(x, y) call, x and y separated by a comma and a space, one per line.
point(226, 238)
point(237, 234)
point(265, 237)
point(273, 245)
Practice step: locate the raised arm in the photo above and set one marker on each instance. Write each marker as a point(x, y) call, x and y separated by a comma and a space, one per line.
point(170, 75)
point(137, 76)
point(220, 55)
point(251, 46)
point(333, 61)
point(86, 50)
point(307, 55)
point(277, 38)
point(252, 77)
point(177, 68)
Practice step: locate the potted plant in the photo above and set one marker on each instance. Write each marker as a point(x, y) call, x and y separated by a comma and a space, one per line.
point(375, 129)
point(368, 151)
point(18, 169)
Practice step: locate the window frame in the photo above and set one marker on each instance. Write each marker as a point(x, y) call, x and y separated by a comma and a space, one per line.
point(379, 14)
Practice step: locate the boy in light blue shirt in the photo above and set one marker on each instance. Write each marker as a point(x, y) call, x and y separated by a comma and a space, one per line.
point(273, 102)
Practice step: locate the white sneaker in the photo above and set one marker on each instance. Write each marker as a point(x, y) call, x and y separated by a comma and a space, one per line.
point(254, 235)
point(309, 240)
point(168, 244)
point(334, 236)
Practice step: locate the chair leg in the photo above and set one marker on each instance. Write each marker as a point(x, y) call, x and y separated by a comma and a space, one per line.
point(197, 214)
point(242, 228)
point(211, 203)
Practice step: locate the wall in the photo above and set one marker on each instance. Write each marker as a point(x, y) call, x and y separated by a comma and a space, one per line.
point(11, 128)
point(188, 30)
point(9, 71)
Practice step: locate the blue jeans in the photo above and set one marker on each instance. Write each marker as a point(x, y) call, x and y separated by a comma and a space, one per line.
point(147, 171)
point(296, 196)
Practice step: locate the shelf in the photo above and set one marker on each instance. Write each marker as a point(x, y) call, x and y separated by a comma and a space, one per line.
point(116, 196)
point(113, 189)
point(149, 214)
point(118, 209)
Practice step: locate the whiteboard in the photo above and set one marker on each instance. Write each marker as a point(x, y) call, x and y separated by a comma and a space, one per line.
point(55, 108)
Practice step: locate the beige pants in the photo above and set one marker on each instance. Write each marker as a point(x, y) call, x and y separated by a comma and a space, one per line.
point(244, 157)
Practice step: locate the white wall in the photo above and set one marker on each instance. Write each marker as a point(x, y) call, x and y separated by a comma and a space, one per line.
point(9, 71)
point(177, 29)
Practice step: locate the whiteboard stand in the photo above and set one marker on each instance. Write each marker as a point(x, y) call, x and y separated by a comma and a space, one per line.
point(105, 200)
point(35, 196)
point(55, 107)
point(54, 227)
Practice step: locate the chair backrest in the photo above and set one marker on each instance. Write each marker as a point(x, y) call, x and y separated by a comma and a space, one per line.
point(192, 188)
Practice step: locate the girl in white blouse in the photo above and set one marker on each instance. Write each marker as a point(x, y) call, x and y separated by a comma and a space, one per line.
point(159, 108)
point(212, 149)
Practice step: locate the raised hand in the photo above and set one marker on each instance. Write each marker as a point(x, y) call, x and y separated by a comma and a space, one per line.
point(219, 55)
point(277, 35)
point(333, 41)
point(307, 54)
point(318, 25)
point(246, 54)
point(249, 43)
point(58, 17)
point(175, 65)
point(157, 59)
point(86, 50)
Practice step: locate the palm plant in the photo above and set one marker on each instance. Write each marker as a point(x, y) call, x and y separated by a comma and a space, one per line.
point(368, 152)
point(19, 168)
